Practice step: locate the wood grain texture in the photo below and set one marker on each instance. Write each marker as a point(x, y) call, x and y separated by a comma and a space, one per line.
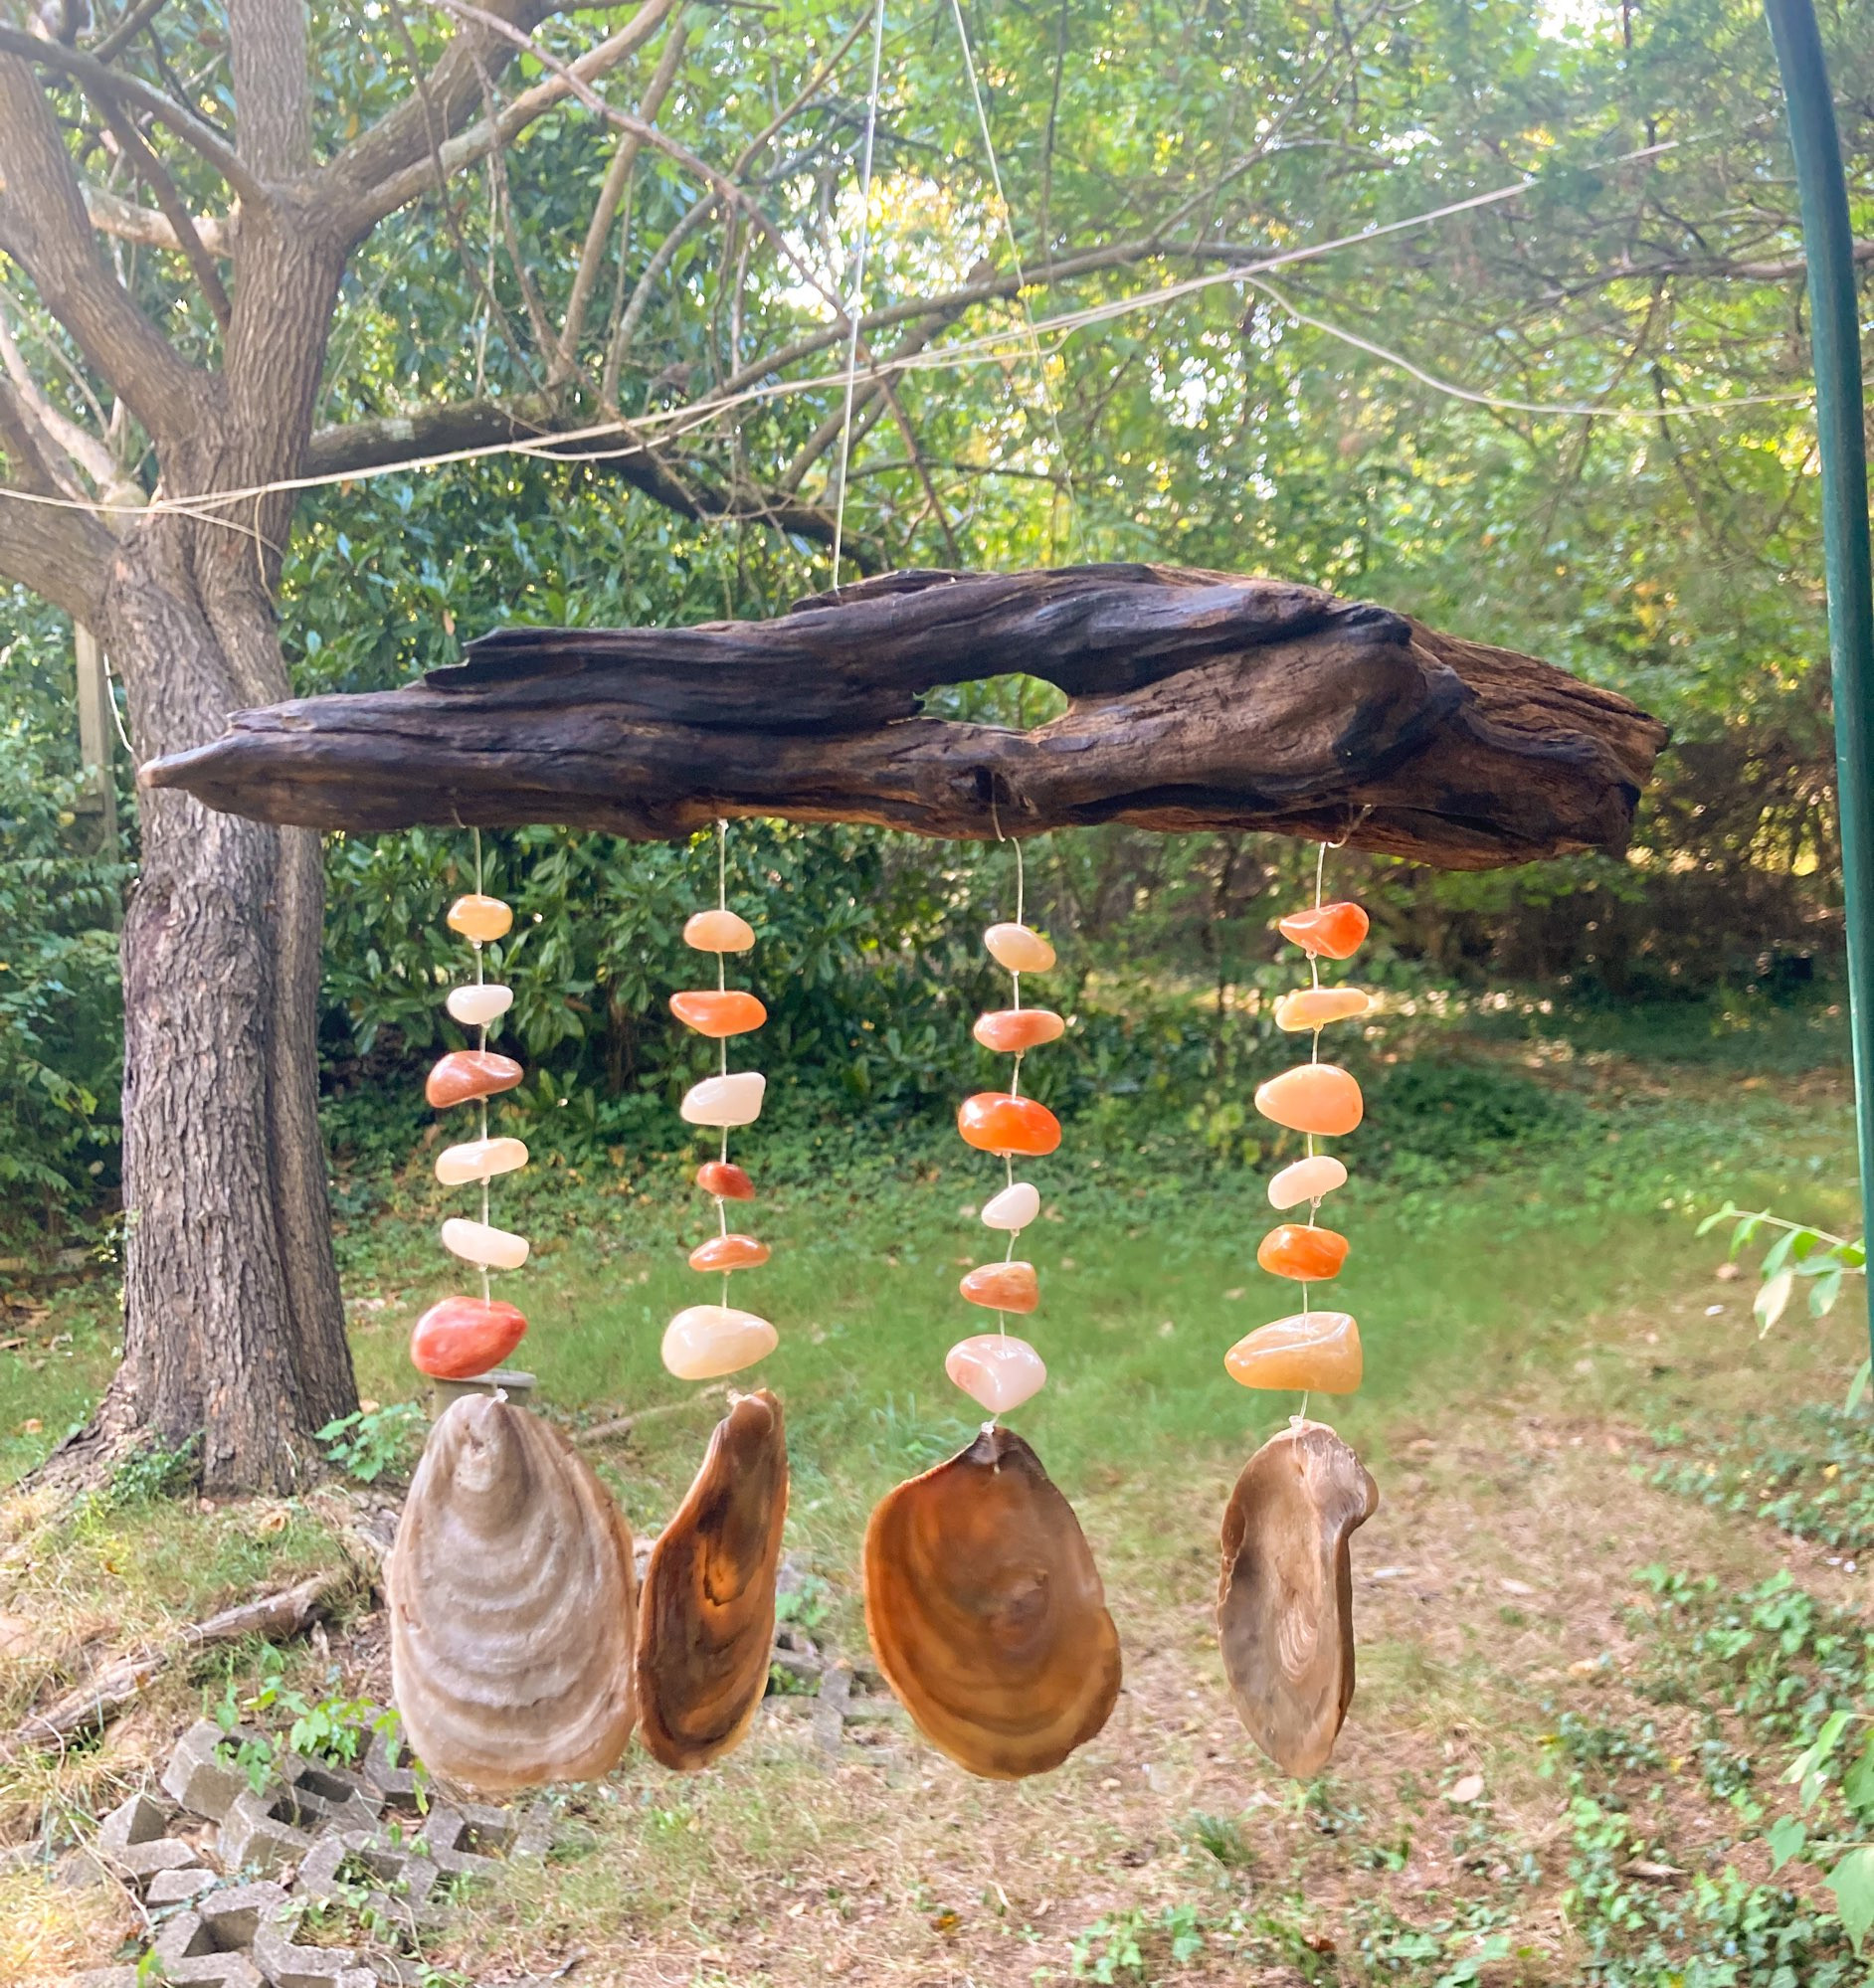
point(987, 1613)
point(706, 1617)
point(1197, 700)
point(1285, 1601)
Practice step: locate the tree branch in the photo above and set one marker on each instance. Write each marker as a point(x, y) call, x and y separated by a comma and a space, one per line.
point(44, 224)
point(267, 49)
point(93, 76)
point(155, 175)
point(62, 555)
point(111, 214)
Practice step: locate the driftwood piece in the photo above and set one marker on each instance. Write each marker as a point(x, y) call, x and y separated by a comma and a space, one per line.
point(705, 1618)
point(985, 1611)
point(1197, 700)
point(119, 1683)
point(1285, 1600)
point(513, 1600)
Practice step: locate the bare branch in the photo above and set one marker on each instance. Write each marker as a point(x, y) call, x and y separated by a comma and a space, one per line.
point(44, 224)
point(392, 163)
point(62, 555)
point(126, 31)
point(92, 75)
point(54, 429)
point(155, 175)
point(111, 214)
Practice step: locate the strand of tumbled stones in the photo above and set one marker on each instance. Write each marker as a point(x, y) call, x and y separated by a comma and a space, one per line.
point(461, 1336)
point(1310, 1349)
point(997, 1370)
point(704, 1341)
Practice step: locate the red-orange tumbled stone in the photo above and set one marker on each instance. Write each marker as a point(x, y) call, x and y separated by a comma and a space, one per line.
point(1332, 930)
point(999, 1122)
point(725, 1181)
point(1009, 1030)
point(728, 1252)
point(470, 1073)
point(711, 1011)
point(462, 1337)
point(1295, 1249)
point(1003, 1287)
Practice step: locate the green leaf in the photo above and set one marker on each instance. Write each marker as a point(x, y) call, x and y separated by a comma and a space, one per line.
point(1787, 1838)
point(1858, 1386)
point(1823, 1293)
point(1857, 1785)
point(1723, 1215)
point(1852, 1882)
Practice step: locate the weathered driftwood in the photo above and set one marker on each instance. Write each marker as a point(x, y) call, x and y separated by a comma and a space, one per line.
point(706, 1616)
point(985, 1611)
point(1197, 700)
point(513, 1603)
point(1285, 1600)
point(124, 1680)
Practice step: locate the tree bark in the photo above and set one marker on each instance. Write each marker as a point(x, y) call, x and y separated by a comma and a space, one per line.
point(1197, 700)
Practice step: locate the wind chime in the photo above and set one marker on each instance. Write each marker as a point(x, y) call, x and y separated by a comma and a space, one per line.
point(1284, 1605)
point(983, 1604)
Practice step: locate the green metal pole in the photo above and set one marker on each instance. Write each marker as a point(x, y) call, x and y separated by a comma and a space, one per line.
point(1835, 341)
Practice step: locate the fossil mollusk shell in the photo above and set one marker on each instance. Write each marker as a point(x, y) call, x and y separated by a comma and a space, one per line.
point(706, 1623)
point(985, 1611)
point(1285, 1602)
point(512, 1605)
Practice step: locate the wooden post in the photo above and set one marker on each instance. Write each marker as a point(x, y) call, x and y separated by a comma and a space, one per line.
point(95, 726)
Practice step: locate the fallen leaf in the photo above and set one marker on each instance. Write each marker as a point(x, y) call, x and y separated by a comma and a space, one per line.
point(1510, 1586)
point(1466, 1790)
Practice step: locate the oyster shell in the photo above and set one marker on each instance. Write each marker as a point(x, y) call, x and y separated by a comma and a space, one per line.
point(1284, 1603)
point(706, 1622)
point(985, 1611)
point(513, 1602)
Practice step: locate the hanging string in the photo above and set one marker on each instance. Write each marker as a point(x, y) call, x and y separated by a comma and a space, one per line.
point(482, 1042)
point(856, 309)
point(1007, 219)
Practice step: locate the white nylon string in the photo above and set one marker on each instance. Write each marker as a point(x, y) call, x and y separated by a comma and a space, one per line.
point(856, 309)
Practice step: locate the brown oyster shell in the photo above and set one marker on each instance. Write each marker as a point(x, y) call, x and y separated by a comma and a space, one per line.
point(1285, 1601)
point(985, 1611)
point(706, 1623)
point(513, 1602)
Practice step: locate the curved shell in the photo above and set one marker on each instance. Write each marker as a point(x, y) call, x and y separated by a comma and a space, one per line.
point(985, 1611)
point(1285, 1602)
point(512, 1605)
point(706, 1623)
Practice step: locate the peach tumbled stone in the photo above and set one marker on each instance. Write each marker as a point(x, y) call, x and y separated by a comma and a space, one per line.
point(1331, 931)
point(1315, 1007)
point(1321, 1098)
point(1003, 1287)
point(480, 1160)
point(725, 1181)
point(728, 1252)
point(466, 1074)
point(1011, 1031)
point(1020, 948)
point(1000, 1122)
point(996, 1371)
point(1299, 1250)
point(1319, 1350)
point(480, 918)
point(719, 1013)
point(1306, 1181)
point(718, 931)
point(1013, 1208)
point(724, 1101)
point(481, 1242)
point(477, 1006)
point(459, 1337)
point(704, 1341)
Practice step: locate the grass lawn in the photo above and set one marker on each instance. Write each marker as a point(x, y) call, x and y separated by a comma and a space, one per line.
point(1562, 1391)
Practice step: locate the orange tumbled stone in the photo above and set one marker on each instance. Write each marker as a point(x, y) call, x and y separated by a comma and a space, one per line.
point(1003, 1287)
point(1300, 1251)
point(725, 1181)
point(1000, 1122)
point(713, 1012)
point(470, 1073)
point(481, 919)
point(1319, 1350)
point(463, 1336)
point(1315, 1007)
point(1312, 1097)
point(1009, 1030)
point(1334, 931)
point(728, 1252)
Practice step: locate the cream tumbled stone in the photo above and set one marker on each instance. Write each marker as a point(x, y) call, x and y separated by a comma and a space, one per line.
point(996, 1371)
point(477, 1006)
point(481, 1242)
point(1306, 1181)
point(718, 931)
point(1013, 1208)
point(724, 1101)
point(704, 1341)
point(1019, 948)
point(480, 1160)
